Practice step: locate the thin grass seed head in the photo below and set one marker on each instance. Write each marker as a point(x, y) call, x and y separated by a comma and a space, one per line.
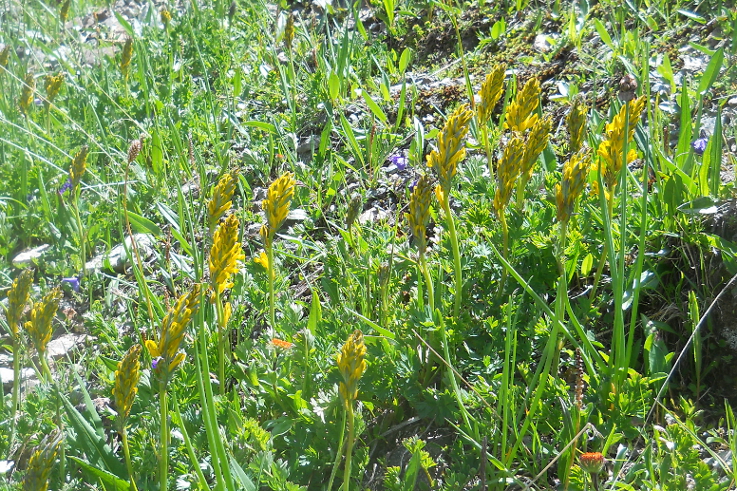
point(26, 94)
point(419, 212)
point(576, 125)
point(509, 169)
point(289, 31)
point(225, 254)
point(4, 55)
point(126, 56)
point(351, 364)
point(354, 208)
point(126, 381)
point(611, 148)
point(222, 198)
point(39, 325)
point(41, 463)
point(18, 295)
point(79, 166)
point(171, 333)
point(64, 12)
point(276, 205)
point(490, 93)
point(450, 150)
point(520, 115)
point(52, 84)
point(134, 149)
point(537, 140)
point(575, 173)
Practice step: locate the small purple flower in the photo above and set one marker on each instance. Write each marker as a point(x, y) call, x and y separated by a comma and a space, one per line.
point(412, 186)
point(699, 145)
point(155, 363)
point(73, 282)
point(401, 161)
point(66, 186)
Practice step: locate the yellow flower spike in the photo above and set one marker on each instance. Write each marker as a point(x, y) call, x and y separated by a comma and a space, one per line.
point(64, 12)
point(575, 173)
point(510, 168)
point(222, 198)
point(450, 149)
point(611, 148)
point(52, 86)
point(166, 350)
point(263, 259)
point(41, 463)
point(419, 211)
point(4, 55)
point(79, 166)
point(537, 140)
point(289, 32)
point(520, 112)
point(126, 381)
point(225, 254)
point(576, 125)
point(352, 365)
point(42, 314)
point(18, 296)
point(26, 95)
point(490, 93)
point(277, 203)
point(126, 56)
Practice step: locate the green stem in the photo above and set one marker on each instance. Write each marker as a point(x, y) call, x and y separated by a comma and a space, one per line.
point(428, 282)
point(456, 258)
point(80, 231)
point(349, 447)
point(16, 387)
point(487, 148)
point(126, 451)
point(602, 260)
point(222, 339)
point(272, 279)
point(339, 453)
point(453, 381)
point(163, 439)
point(505, 247)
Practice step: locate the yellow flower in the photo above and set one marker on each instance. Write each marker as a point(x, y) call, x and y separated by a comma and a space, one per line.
point(510, 168)
point(351, 364)
point(520, 112)
point(18, 296)
point(222, 198)
point(4, 55)
point(125, 57)
point(52, 86)
point(276, 205)
point(79, 165)
point(490, 93)
point(289, 31)
point(126, 381)
point(224, 254)
point(419, 211)
point(42, 314)
point(575, 172)
point(537, 140)
point(41, 463)
point(64, 12)
point(576, 125)
point(165, 16)
point(450, 150)
point(171, 333)
point(26, 95)
point(611, 149)
point(263, 259)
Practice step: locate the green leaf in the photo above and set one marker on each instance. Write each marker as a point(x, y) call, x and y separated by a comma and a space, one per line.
point(404, 59)
point(373, 106)
point(334, 85)
point(106, 477)
point(712, 71)
point(603, 34)
point(692, 16)
point(315, 313)
point(268, 127)
point(587, 264)
point(144, 225)
point(384, 332)
point(157, 153)
point(241, 476)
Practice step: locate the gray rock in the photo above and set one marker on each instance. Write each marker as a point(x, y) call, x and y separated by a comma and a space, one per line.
point(732, 101)
point(31, 256)
point(6, 375)
point(373, 215)
point(61, 346)
point(117, 259)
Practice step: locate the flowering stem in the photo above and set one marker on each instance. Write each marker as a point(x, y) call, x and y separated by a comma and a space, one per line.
point(80, 230)
point(604, 254)
point(453, 381)
point(222, 338)
point(456, 257)
point(349, 447)
point(339, 453)
point(487, 148)
point(505, 247)
point(126, 451)
point(164, 439)
point(428, 282)
point(16, 386)
point(272, 278)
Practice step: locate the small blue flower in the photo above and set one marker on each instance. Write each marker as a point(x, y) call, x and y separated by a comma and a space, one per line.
point(401, 161)
point(699, 145)
point(73, 282)
point(66, 186)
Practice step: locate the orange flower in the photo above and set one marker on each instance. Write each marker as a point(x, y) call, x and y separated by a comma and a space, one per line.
point(592, 462)
point(280, 343)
